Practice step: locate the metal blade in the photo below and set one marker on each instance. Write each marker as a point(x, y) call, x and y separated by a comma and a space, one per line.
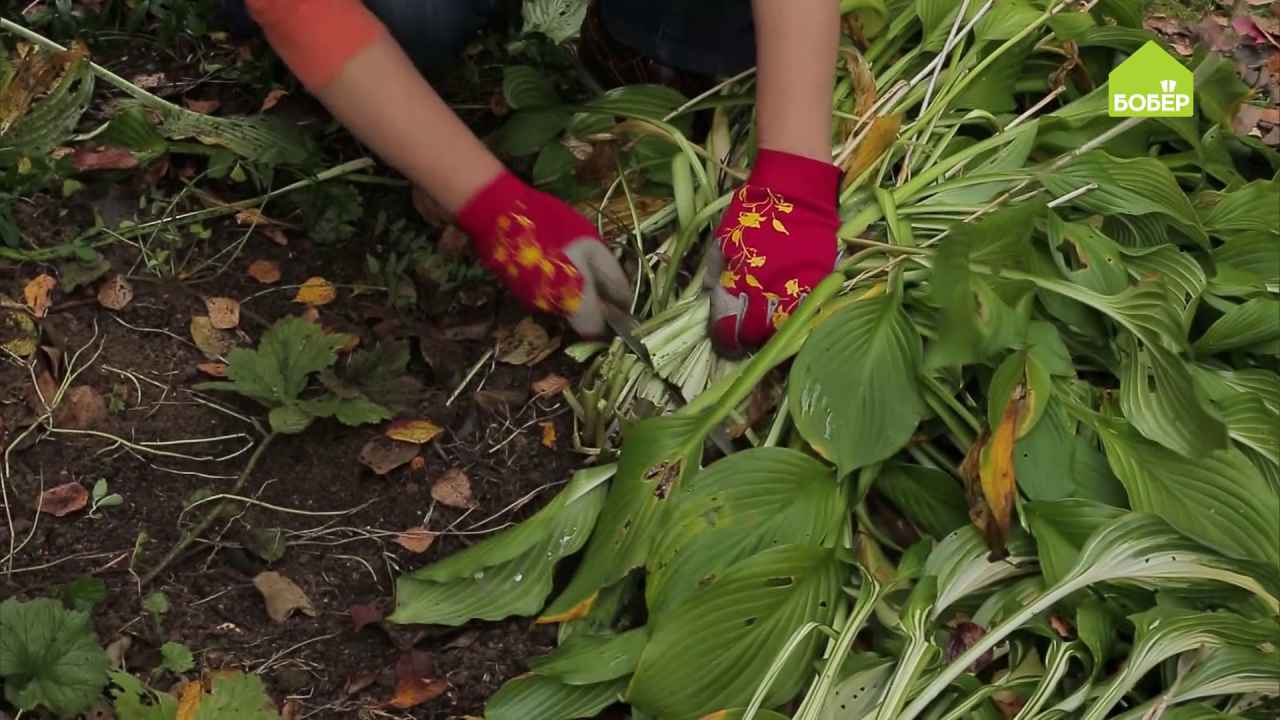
point(624, 324)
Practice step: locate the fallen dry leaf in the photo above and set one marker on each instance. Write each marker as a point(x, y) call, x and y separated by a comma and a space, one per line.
point(453, 489)
point(64, 499)
point(150, 81)
point(276, 235)
point(115, 293)
point(414, 682)
point(358, 682)
point(550, 386)
point(548, 434)
point(202, 106)
point(32, 73)
point(526, 344)
point(272, 99)
point(36, 293)
point(362, 615)
point(382, 454)
point(254, 216)
point(211, 341)
point(82, 408)
point(213, 369)
point(282, 595)
point(264, 271)
point(103, 157)
point(416, 540)
point(316, 291)
point(413, 431)
point(224, 312)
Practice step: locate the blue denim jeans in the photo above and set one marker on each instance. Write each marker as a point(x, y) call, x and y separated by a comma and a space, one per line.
point(712, 37)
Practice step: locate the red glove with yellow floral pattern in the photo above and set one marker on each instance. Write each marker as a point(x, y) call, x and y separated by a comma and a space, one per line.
point(776, 241)
point(546, 253)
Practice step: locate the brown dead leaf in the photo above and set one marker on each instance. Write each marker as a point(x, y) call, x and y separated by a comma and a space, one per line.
point(150, 81)
point(37, 292)
point(202, 106)
point(115, 293)
point(213, 369)
point(82, 408)
point(416, 540)
point(266, 272)
point(548, 434)
point(254, 216)
point(103, 157)
point(526, 344)
point(211, 341)
point(382, 454)
point(283, 596)
point(272, 99)
point(276, 235)
point(550, 386)
point(362, 615)
point(413, 431)
point(358, 682)
point(316, 291)
point(453, 489)
point(224, 312)
point(35, 71)
point(64, 499)
point(879, 138)
point(414, 682)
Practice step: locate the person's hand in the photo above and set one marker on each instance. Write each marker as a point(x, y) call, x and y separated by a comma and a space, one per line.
point(776, 241)
point(546, 253)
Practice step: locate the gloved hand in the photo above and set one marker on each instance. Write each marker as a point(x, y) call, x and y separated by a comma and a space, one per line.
point(776, 241)
point(546, 253)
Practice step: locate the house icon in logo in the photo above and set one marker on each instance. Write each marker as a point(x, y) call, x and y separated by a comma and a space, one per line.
point(1151, 83)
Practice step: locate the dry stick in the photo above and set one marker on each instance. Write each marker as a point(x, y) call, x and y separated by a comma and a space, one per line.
point(190, 536)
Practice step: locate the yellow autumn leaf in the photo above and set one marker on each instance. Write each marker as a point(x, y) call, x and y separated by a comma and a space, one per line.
point(879, 138)
point(577, 611)
point(777, 225)
point(36, 293)
point(189, 703)
point(997, 478)
point(413, 431)
point(548, 434)
point(316, 291)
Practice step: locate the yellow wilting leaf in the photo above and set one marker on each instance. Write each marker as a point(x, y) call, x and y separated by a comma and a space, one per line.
point(316, 291)
point(777, 225)
point(413, 431)
point(36, 293)
point(997, 479)
point(548, 434)
point(879, 138)
point(189, 704)
point(577, 611)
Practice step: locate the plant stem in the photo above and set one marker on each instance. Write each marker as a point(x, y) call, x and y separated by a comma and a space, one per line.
point(209, 517)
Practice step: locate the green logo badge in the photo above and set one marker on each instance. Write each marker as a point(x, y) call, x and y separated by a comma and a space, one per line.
point(1151, 83)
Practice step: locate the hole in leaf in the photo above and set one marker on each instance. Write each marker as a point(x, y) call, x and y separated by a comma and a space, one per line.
point(780, 582)
point(750, 621)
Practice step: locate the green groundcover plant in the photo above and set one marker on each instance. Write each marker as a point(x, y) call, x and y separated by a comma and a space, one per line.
point(1026, 462)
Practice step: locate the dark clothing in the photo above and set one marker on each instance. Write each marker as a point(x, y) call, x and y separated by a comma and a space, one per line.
point(710, 37)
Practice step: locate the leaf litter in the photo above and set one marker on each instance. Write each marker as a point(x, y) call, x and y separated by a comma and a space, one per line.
point(283, 597)
point(453, 489)
point(64, 499)
point(115, 293)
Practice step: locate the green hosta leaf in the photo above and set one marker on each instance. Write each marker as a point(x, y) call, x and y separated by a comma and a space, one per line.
point(937, 18)
point(527, 131)
point(1137, 231)
point(1252, 323)
point(961, 564)
point(1159, 396)
point(649, 102)
point(1061, 528)
point(557, 19)
point(1252, 208)
point(1222, 384)
point(1230, 670)
point(1006, 19)
point(526, 87)
point(1057, 460)
point(860, 413)
point(658, 456)
point(176, 658)
point(591, 659)
point(993, 90)
point(1009, 158)
point(507, 574)
point(1135, 186)
point(236, 696)
point(1164, 633)
point(49, 657)
point(1147, 309)
point(1255, 253)
point(277, 371)
point(728, 634)
point(1251, 422)
point(747, 502)
point(1176, 269)
point(554, 162)
point(858, 695)
point(931, 499)
point(734, 714)
point(1219, 90)
point(1218, 498)
point(1096, 624)
point(535, 696)
point(1102, 265)
point(1135, 549)
point(1020, 377)
point(135, 701)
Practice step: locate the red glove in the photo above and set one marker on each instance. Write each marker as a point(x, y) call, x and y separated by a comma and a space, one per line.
point(776, 241)
point(546, 253)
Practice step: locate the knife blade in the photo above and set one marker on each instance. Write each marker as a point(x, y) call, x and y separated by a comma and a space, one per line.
point(624, 325)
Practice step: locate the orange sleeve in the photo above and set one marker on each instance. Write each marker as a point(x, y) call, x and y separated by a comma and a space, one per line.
point(316, 38)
